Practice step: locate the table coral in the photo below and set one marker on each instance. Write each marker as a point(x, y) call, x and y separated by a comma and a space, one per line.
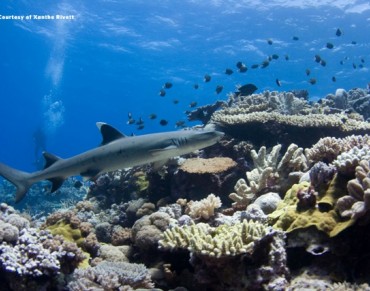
point(224, 240)
point(212, 165)
point(268, 128)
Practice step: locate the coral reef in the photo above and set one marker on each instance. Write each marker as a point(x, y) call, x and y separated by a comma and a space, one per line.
point(327, 149)
point(272, 117)
point(147, 231)
point(347, 162)
point(202, 166)
point(223, 240)
point(111, 276)
point(300, 209)
point(269, 173)
point(357, 203)
point(204, 208)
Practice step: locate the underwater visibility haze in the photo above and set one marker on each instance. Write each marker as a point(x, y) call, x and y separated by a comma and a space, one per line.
point(61, 76)
point(268, 104)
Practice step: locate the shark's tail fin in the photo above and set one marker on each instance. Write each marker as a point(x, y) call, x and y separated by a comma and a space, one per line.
point(18, 178)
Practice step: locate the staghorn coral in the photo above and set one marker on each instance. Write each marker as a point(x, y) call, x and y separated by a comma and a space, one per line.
point(212, 165)
point(268, 172)
point(111, 276)
point(327, 149)
point(204, 208)
point(224, 240)
point(357, 203)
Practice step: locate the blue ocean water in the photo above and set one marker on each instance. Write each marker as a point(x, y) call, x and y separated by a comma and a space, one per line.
point(60, 76)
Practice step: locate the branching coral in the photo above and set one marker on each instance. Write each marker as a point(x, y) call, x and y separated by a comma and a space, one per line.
point(224, 240)
point(204, 208)
point(357, 203)
point(268, 172)
point(348, 161)
point(327, 149)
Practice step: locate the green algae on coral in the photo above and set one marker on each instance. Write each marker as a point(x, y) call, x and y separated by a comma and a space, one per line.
point(224, 240)
point(288, 218)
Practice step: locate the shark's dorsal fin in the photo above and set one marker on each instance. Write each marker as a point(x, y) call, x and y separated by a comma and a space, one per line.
point(109, 133)
point(49, 159)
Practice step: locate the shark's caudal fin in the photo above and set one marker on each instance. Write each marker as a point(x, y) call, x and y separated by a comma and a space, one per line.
point(18, 178)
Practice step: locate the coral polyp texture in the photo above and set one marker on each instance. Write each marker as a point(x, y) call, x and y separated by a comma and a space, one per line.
point(224, 240)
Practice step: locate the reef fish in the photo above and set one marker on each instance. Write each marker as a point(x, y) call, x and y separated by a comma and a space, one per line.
point(116, 151)
point(246, 90)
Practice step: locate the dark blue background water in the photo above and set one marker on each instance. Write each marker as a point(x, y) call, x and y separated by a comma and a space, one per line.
point(64, 75)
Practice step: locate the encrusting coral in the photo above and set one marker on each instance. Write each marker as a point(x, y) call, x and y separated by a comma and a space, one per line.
point(357, 203)
point(224, 240)
point(300, 209)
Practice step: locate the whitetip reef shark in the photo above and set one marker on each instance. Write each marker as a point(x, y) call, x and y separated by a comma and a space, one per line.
point(116, 151)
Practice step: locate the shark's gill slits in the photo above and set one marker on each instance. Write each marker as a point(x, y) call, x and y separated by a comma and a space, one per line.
point(179, 142)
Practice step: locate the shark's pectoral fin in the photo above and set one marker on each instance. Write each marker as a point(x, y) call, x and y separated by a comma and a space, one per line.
point(109, 133)
point(89, 174)
point(56, 183)
point(49, 159)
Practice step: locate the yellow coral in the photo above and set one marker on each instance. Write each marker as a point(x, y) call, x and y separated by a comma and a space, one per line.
point(64, 229)
point(224, 240)
point(288, 218)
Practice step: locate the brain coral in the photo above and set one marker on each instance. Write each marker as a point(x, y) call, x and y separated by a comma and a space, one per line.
point(213, 165)
point(224, 240)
